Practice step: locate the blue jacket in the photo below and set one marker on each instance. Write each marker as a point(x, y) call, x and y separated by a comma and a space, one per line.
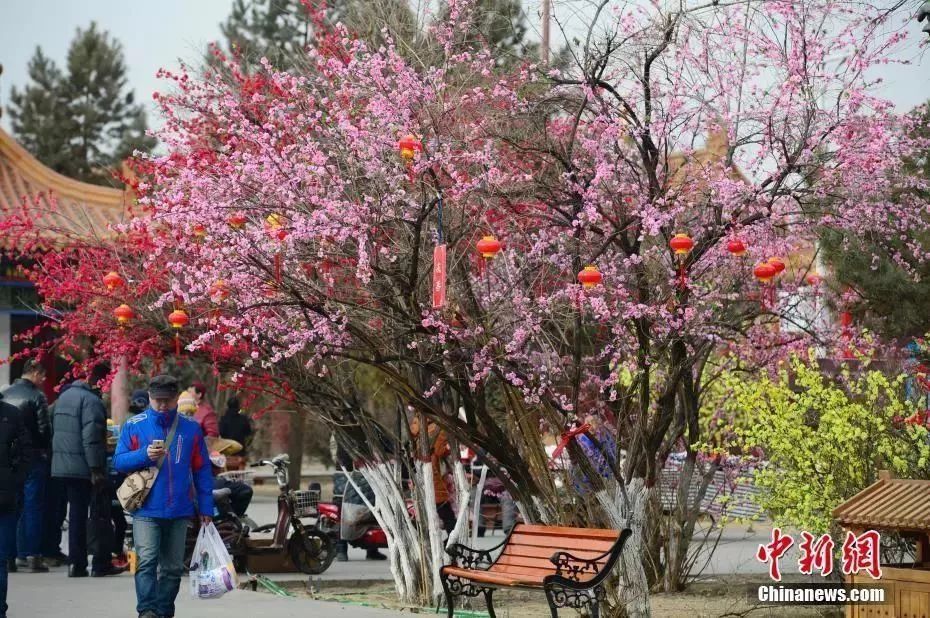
point(186, 469)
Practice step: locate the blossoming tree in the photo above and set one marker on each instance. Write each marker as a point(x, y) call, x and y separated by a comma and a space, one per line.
point(298, 220)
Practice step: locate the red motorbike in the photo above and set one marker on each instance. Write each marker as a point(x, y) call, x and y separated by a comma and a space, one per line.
point(349, 519)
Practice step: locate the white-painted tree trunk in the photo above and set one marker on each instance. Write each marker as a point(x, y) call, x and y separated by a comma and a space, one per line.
point(424, 475)
point(633, 582)
point(390, 511)
point(462, 492)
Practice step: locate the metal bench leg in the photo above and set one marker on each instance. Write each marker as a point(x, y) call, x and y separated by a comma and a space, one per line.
point(488, 594)
point(449, 598)
point(551, 601)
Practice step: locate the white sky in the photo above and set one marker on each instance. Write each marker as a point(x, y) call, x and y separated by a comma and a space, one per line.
point(156, 34)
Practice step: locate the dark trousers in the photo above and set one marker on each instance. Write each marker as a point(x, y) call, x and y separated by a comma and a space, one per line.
point(79, 493)
point(240, 496)
point(119, 518)
point(56, 507)
point(7, 550)
point(30, 529)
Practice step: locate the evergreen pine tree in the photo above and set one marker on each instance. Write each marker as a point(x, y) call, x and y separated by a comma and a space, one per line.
point(85, 122)
point(39, 114)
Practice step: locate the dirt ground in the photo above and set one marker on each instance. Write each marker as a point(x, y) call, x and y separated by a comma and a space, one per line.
point(713, 599)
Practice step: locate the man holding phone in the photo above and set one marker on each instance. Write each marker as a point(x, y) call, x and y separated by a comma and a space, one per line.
point(159, 527)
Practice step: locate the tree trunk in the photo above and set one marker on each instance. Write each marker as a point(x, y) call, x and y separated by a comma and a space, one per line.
point(631, 513)
point(295, 447)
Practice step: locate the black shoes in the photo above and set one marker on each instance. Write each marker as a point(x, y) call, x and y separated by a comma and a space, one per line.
point(73, 572)
point(374, 554)
point(149, 615)
point(107, 571)
point(57, 560)
point(21, 563)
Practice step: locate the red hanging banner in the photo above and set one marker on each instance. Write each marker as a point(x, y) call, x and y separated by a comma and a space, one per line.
point(439, 277)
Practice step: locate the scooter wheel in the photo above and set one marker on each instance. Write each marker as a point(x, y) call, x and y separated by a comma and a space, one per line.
point(312, 552)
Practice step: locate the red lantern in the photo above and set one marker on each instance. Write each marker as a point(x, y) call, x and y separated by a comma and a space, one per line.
point(199, 231)
point(409, 146)
point(123, 314)
point(681, 244)
point(765, 271)
point(778, 264)
point(488, 247)
point(736, 247)
point(590, 276)
point(813, 279)
point(178, 319)
point(219, 291)
point(236, 221)
point(112, 280)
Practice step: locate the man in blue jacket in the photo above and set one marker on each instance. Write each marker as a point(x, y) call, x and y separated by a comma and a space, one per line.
point(159, 526)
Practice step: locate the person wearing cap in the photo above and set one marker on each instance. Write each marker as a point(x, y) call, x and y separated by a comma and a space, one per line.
point(182, 489)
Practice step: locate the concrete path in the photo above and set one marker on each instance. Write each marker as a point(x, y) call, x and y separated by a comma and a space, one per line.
point(54, 595)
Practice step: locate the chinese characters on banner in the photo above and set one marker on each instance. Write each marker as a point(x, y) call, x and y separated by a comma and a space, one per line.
point(439, 277)
point(860, 553)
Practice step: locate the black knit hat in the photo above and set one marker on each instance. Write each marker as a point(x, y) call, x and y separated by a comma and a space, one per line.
point(163, 387)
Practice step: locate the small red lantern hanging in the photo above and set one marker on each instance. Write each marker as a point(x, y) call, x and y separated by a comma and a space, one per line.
point(765, 272)
point(409, 146)
point(219, 291)
point(199, 232)
point(488, 247)
point(112, 280)
point(236, 221)
point(590, 276)
point(736, 247)
point(682, 245)
point(813, 279)
point(123, 314)
point(277, 230)
point(178, 320)
point(778, 264)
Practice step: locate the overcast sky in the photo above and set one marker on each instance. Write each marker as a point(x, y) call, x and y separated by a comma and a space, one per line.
point(157, 33)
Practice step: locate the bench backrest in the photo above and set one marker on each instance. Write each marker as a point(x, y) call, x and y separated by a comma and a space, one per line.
point(529, 548)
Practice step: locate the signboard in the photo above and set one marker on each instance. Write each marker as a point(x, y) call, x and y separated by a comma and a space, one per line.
point(439, 277)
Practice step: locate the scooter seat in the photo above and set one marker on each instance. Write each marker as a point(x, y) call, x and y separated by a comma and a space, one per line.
point(222, 495)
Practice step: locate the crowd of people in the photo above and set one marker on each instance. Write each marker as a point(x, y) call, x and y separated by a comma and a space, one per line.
point(68, 459)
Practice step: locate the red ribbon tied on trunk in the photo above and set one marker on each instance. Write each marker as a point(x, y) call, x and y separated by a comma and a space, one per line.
point(567, 437)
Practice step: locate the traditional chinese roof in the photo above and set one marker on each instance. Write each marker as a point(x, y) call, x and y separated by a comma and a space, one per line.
point(888, 504)
point(81, 208)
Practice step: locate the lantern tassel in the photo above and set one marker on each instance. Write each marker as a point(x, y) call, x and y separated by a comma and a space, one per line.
point(277, 268)
point(177, 344)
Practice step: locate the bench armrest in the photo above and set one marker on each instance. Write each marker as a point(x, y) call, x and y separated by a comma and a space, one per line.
point(571, 568)
point(574, 568)
point(468, 558)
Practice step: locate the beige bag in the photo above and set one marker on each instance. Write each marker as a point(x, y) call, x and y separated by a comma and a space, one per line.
point(135, 489)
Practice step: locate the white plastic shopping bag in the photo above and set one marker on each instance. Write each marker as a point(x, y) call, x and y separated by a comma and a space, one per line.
point(212, 573)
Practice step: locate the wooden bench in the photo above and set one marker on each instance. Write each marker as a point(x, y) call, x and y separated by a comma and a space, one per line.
point(568, 564)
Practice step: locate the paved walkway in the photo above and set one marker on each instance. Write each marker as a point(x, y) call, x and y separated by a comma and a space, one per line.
point(54, 595)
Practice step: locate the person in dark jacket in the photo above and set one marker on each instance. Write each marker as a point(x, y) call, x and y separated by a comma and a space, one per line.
point(26, 395)
point(182, 488)
point(79, 458)
point(14, 449)
point(235, 425)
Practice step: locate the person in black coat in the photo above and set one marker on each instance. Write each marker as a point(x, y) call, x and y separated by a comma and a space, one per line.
point(26, 395)
point(14, 461)
point(79, 458)
point(235, 425)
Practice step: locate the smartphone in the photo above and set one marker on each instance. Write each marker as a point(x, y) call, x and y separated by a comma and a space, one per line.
point(158, 443)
